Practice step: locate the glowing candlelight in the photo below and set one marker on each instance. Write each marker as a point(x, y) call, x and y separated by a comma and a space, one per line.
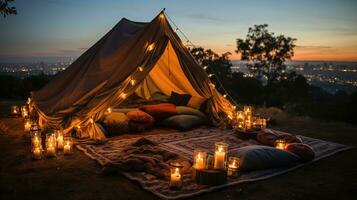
point(233, 165)
point(37, 152)
point(51, 145)
point(27, 125)
point(59, 139)
point(199, 159)
point(176, 176)
point(280, 144)
point(15, 110)
point(67, 148)
point(220, 155)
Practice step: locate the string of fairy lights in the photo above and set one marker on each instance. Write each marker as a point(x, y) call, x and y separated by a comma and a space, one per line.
point(205, 67)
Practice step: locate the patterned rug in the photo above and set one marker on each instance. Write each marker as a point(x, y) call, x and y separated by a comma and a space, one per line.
point(184, 143)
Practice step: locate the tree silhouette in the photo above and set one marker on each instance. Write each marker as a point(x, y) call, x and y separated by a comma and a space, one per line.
point(266, 52)
point(5, 8)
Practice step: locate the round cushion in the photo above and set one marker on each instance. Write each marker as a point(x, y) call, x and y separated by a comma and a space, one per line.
point(304, 151)
point(160, 111)
point(140, 117)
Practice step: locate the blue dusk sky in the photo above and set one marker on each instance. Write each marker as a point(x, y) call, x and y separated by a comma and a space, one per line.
point(325, 29)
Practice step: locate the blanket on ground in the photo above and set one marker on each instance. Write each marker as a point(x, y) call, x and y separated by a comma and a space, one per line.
point(182, 145)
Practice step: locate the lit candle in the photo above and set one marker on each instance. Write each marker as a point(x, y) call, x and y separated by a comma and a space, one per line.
point(176, 178)
point(67, 148)
point(51, 145)
point(220, 155)
point(36, 141)
point(27, 125)
point(109, 110)
point(199, 159)
point(59, 140)
point(199, 162)
point(176, 175)
point(280, 144)
point(233, 165)
point(15, 110)
point(37, 152)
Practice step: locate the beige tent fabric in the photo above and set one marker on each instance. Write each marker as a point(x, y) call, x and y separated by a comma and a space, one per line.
point(102, 77)
point(167, 76)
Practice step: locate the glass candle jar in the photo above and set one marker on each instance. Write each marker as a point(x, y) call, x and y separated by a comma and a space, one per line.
point(24, 112)
point(176, 173)
point(248, 110)
point(233, 165)
point(37, 152)
point(15, 110)
point(280, 144)
point(199, 159)
point(51, 145)
point(220, 155)
point(67, 145)
point(27, 125)
point(36, 140)
point(59, 139)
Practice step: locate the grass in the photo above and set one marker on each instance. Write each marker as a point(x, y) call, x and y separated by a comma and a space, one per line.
point(78, 177)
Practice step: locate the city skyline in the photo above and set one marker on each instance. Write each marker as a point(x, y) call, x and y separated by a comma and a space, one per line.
point(325, 30)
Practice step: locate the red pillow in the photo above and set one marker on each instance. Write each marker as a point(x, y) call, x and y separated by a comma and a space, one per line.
point(304, 151)
point(160, 111)
point(140, 117)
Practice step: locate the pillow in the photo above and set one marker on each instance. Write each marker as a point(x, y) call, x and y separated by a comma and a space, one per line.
point(304, 151)
point(160, 111)
point(124, 110)
point(196, 102)
point(184, 110)
point(267, 137)
point(183, 122)
point(179, 99)
point(140, 117)
point(290, 138)
point(158, 96)
point(256, 157)
point(115, 123)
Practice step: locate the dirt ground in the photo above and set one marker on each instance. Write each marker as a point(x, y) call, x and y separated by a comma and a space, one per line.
point(78, 177)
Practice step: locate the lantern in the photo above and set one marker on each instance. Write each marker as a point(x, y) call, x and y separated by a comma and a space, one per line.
point(280, 144)
point(15, 110)
point(67, 145)
point(176, 172)
point(220, 155)
point(51, 145)
point(199, 159)
point(233, 165)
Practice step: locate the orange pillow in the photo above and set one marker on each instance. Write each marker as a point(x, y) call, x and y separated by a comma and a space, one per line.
point(140, 117)
point(160, 111)
point(304, 151)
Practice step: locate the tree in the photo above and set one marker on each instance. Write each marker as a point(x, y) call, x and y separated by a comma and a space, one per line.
point(266, 52)
point(5, 8)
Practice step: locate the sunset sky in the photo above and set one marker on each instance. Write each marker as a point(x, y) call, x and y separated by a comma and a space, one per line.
point(325, 29)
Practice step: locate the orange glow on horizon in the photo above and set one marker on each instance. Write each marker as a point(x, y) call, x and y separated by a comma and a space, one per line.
point(306, 55)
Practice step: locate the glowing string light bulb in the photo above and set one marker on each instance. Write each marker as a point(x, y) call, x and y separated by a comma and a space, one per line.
point(205, 67)
point(140, 68)
point(151, 47)
point(132, 82)
point(225, 95)
point(210, 75)
point(123, 95)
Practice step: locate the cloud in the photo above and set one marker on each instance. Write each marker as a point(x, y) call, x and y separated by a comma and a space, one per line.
point(206, 18)
point(313, 47)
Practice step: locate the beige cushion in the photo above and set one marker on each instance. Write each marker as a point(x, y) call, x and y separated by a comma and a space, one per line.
point(116, 123)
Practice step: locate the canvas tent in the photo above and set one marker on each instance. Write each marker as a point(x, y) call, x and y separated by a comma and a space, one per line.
point(132, 57)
